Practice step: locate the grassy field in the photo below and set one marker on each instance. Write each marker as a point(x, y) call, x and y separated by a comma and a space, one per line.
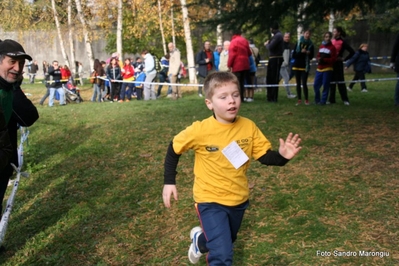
point(94, 193)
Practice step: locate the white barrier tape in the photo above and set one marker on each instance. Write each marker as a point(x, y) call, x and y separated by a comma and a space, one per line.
point(11, 198)
point(265, 62)
point(379, 65)
point(311, 84)
point(58, 80)
point(247, 86)
point(155, 83)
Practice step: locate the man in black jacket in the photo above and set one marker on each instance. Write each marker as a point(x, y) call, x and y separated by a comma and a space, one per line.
point(276, 48)
point(205, 62)
point(395, 66)
point(20, 111)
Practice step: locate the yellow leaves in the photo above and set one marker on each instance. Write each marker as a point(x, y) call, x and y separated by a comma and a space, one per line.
point(15, 15)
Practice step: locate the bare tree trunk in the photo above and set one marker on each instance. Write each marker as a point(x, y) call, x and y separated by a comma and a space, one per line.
point(173, 25)
point(189, 45)
point(161, 27)
point(331, 21)
point(119, 29)
point(71, 45)
point(89, 49)
point(219, 37)
point(57, 25)
point(300, 28)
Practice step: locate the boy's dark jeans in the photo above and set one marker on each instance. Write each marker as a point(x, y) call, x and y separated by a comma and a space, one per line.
point(220, 225)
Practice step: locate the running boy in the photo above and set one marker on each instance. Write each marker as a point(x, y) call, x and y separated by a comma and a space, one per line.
point(223, 144)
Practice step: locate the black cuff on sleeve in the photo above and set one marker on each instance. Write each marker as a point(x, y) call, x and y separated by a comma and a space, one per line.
point(273, 158)
point(170, 165)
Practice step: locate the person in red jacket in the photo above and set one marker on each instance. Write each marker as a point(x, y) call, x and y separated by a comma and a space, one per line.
point(65, 73)
point(326, 57)
point(128, 77)
point(238, 62)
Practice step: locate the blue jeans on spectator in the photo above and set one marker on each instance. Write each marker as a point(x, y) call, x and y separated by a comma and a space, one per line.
point(162, 79)
point(32, 78)
point(322, 78)
point(60, 92)
point(96, 93)
point(220, 225)
point(128, 92)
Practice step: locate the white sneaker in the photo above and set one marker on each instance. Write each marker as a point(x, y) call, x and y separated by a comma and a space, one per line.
point(364, 90)
point(349, 89)
point(194, 253)
point(291, 96)
point(250, 100)
point(245, 99)
point(200, 95)
point(169, 96)
point(346, 103)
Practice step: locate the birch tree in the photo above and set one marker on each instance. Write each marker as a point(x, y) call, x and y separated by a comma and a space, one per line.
point(119, 28)
point(58, 27)
point(331, 21)
point(219, 37)
point(161, 27)
point(87, 40)
point(172, 19)
point(189, 45)
point(70, 34)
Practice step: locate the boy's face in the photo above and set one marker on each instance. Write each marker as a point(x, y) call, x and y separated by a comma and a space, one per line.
point(225, 103)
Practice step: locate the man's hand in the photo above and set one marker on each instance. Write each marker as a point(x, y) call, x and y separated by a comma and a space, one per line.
point(168, 191)
point(290, 147)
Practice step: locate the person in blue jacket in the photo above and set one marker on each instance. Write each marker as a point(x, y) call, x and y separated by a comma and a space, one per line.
point(216, 56)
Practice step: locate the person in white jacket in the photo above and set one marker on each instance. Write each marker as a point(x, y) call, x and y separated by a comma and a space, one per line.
point(174, 69)
point(285, 67)
point(150, 73)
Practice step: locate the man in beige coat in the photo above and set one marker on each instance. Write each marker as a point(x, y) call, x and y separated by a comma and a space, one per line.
point(224, 57)
point(174, 68)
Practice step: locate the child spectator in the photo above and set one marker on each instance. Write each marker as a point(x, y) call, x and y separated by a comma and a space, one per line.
point(65, 73)
point(128, 77)
point(361, 65)
point(163, 74)
point(326, 57)
point(223, 144)
point(114, 76)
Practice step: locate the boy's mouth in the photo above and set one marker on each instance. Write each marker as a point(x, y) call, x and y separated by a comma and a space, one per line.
point(232, 109)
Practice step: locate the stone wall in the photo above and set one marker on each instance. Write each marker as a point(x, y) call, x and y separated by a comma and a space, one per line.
point(44, 46)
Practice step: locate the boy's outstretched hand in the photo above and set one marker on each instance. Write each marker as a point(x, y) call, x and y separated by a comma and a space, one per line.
point(290, 147)
point(168, 191)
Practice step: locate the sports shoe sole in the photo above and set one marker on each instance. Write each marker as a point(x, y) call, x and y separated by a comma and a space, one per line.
point(192, 257)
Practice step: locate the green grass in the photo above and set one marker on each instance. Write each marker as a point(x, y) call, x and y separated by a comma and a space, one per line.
point(94, 193)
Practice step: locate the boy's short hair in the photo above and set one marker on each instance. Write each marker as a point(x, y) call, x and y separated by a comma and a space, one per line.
point(218, 79)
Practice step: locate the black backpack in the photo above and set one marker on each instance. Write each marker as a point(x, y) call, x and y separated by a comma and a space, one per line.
point(156, 63)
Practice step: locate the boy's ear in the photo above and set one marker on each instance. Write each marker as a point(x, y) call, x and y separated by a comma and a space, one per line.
point(209, 104)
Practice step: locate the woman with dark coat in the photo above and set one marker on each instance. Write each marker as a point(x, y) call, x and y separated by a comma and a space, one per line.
point(338, 73)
